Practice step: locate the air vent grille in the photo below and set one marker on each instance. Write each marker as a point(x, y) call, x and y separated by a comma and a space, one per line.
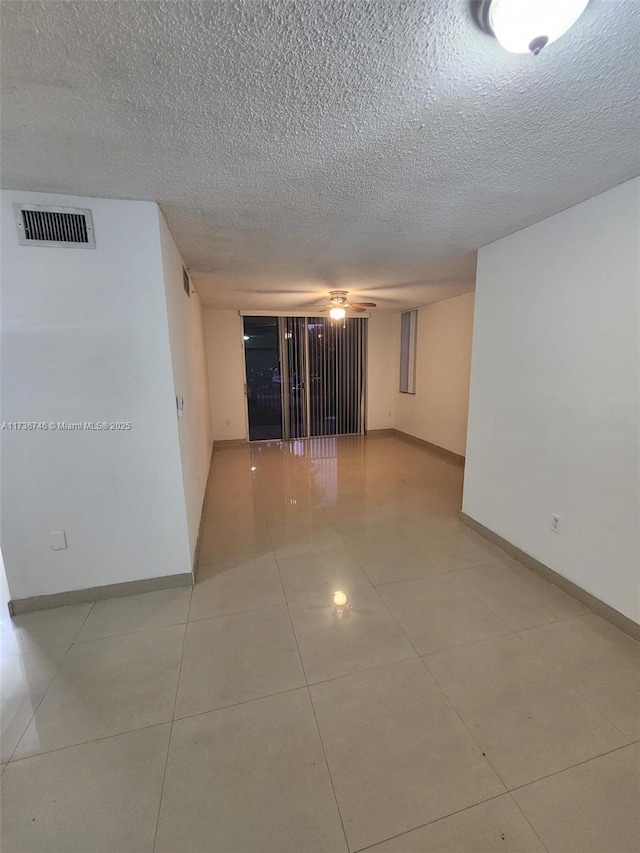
point(68, 227)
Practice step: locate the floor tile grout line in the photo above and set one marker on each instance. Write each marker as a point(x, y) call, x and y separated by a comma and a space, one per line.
point(535, 578)
point(193, 586)
point(223, 563)
point(442, 571)
point(466, 644)
point(241, 702)
point(175, 700)
point(573, 766)
point(397, 622)
point(313, 711)
point(129, 633)
point(89, 612)
point(240, 557)
point(128, 598)
point(363, 669)
point(450, 704)
point(440, 574)
point(557, 773)
point(567, 678)
point(508, 788)
point(589, 614)
point(487, 602)
point(53, 677)
point(326, 761)
point(635, 644)
point(573, 618)
point(493, 638)
point(588, 701)
point(431, 822)
point(35, 651)
point(161, 723)
point(466, 727)
point(534, 830)
point(16, 761)
point(293, 630)
point(474, 595)
point(234, 613)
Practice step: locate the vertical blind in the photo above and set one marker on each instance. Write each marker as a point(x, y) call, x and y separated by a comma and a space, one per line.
point(323, 366)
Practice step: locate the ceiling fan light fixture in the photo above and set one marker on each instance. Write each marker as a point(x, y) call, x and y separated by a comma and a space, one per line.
point(526, 26)
point(337, 313)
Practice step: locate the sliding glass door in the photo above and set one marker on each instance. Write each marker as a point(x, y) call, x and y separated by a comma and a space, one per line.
point(264, 378)
point(320, 376)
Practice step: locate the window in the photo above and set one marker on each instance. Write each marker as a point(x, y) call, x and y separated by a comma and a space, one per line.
point(408, 332)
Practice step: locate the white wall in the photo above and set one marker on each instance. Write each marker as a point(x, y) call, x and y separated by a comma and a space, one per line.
point(225, 366)
point(437, 412)
point(188, 355)
point(554, 424)
point(85, 339)
point(382, 370)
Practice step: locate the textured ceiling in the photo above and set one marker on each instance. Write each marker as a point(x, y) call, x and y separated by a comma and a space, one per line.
point(298, 145)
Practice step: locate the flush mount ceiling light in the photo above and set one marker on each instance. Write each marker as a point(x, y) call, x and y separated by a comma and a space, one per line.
point(526, 26)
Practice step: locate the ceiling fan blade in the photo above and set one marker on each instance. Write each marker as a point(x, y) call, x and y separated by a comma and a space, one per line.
point(357, 308)
point(362, 611)
point(265, 291)
point(364, 304)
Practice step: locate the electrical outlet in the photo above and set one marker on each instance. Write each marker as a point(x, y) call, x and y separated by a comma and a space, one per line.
point(555, 523)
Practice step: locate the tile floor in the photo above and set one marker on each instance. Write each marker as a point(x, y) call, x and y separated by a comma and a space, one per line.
point(456, 704)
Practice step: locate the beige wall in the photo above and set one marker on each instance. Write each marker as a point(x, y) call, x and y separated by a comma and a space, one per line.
point(438, 410)
point(225, 363)
point(382, 370)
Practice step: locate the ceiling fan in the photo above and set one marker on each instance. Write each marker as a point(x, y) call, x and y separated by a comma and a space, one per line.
point(339, 304)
